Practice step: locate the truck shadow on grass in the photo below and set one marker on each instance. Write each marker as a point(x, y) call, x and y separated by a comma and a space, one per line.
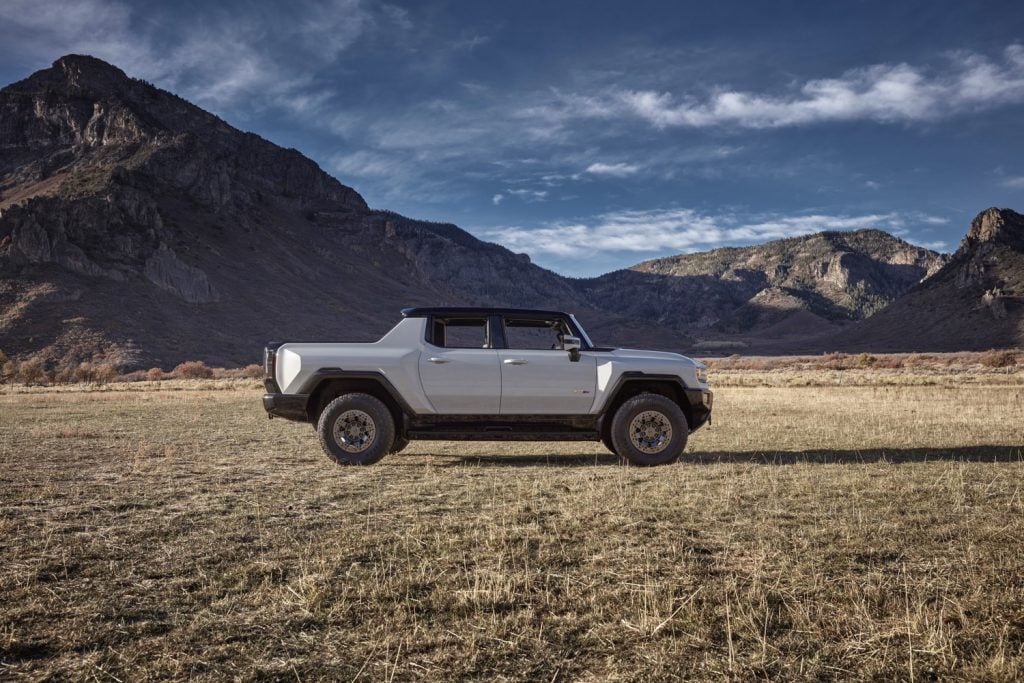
point(819, 456)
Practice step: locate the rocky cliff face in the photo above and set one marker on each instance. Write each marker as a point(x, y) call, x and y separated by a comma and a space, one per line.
point(138, 228)
point(829, 278)
point(974, 302)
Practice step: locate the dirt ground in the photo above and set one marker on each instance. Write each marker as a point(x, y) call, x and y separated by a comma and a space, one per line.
point(838, 532)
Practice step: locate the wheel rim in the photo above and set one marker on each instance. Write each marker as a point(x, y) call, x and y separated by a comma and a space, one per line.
point(354, 431)
point(650, 431)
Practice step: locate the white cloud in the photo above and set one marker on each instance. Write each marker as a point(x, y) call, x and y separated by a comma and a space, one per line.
point(619, 170)
point(883, 92)
point(677, 230)
point(528, 195)
point(1016, 183)
point(496, 199)
point(216, 58)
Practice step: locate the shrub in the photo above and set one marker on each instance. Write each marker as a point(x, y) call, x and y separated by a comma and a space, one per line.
point(84, 373)
point(192, 369)
point(154, 375)
point(836, 361)
point(104, 373)
point(254, 371)
point(998, 359)
point(65, 375)
point(31, 372)
point(9, 371)
point(865, 360)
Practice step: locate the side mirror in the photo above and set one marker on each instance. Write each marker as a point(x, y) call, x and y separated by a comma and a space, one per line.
point(572, 345)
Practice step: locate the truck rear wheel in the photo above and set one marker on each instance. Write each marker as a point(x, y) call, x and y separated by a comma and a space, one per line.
point(649, 429)
point(356, 429)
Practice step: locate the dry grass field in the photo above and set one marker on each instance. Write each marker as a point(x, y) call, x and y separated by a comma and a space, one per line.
point(857, 530)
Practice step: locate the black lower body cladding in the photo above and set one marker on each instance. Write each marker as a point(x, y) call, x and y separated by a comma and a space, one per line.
point(288, 406)
point(700, 402)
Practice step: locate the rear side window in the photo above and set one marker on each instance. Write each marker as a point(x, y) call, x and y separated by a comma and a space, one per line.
point(460, 333)
point(534, 334)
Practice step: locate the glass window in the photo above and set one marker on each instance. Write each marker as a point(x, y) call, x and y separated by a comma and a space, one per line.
point(535, 334)
point(460, 333)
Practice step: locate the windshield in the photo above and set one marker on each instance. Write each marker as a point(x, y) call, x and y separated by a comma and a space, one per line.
point(583, 332)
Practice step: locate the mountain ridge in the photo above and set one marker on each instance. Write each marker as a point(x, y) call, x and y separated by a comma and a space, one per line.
point(137, 228)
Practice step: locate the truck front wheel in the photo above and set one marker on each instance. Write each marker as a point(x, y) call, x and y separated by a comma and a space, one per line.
point(649, 429)
point(356, 429)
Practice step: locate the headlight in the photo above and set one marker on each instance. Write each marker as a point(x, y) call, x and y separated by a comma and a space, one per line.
point(702, 374)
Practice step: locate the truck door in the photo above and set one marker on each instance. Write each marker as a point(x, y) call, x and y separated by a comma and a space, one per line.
point(537, 376)
point(459, 369)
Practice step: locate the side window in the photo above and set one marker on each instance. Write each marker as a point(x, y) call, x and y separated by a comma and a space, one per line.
point(534, 334)
point(460, 333)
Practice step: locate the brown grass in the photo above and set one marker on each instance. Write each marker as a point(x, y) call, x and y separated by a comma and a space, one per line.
point(964, 361)
point(833, 532)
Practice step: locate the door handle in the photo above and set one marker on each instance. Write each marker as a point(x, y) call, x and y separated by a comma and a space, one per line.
point(437, 361)
point(514, 361)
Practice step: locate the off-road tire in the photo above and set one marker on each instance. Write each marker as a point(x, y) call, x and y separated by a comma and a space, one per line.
point(606, 436)
point(383, 429)
point(658, 410)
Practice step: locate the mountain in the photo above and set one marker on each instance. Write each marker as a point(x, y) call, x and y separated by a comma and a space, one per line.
point(139, 229)
point(784, 288)
point(974, 302)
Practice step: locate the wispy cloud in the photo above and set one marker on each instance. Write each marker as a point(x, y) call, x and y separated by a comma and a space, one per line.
point(528, 195)
point(217, 57)
point(678, 230)
point(1016, 183)
point(619, 170)
point(883, 92)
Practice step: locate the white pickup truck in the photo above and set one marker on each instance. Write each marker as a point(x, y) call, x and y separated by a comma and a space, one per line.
point(487, 374)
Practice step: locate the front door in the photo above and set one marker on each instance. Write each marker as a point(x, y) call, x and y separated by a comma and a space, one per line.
point(459, 371)
point(537, 379)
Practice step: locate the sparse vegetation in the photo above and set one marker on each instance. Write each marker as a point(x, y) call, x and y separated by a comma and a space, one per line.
point(193, 369)
point(814, 533)
point(31, 372)
point(999, 359)
point(7, 369)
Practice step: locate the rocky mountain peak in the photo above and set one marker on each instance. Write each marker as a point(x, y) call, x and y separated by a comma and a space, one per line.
point(1004, 226)
point(89, 73)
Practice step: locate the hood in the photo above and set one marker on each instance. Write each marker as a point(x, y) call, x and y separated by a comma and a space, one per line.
point(654, 355)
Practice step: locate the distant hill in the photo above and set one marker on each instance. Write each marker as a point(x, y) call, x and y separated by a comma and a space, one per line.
point(139, 229)
point(974, 302)
point(789, 287)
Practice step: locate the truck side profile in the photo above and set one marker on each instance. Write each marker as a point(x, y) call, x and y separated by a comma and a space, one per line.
point(487, 374)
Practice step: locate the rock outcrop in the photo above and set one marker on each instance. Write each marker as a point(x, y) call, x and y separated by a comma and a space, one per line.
point(974, 302)
point(830, 277)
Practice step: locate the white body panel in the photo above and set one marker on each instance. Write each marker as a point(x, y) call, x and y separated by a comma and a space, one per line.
point(461, 381)
point(477, 381)
point(546, 382)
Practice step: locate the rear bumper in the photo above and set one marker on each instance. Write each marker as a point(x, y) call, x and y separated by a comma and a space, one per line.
point(700, 401)
point(288, 406)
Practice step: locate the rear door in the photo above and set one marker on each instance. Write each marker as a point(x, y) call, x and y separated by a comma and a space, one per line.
point(459, 369)
point(537, 376)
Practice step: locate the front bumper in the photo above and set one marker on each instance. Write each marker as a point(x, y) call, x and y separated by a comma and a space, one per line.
point(288, 406)
point(701, 401)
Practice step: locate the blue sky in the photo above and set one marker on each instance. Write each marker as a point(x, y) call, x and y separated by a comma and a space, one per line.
point(593, 135)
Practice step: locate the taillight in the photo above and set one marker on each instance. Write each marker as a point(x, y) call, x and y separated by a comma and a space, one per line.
point(269, 362)
point(270, 367)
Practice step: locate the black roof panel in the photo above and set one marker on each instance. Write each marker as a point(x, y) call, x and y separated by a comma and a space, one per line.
point(477, 310)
